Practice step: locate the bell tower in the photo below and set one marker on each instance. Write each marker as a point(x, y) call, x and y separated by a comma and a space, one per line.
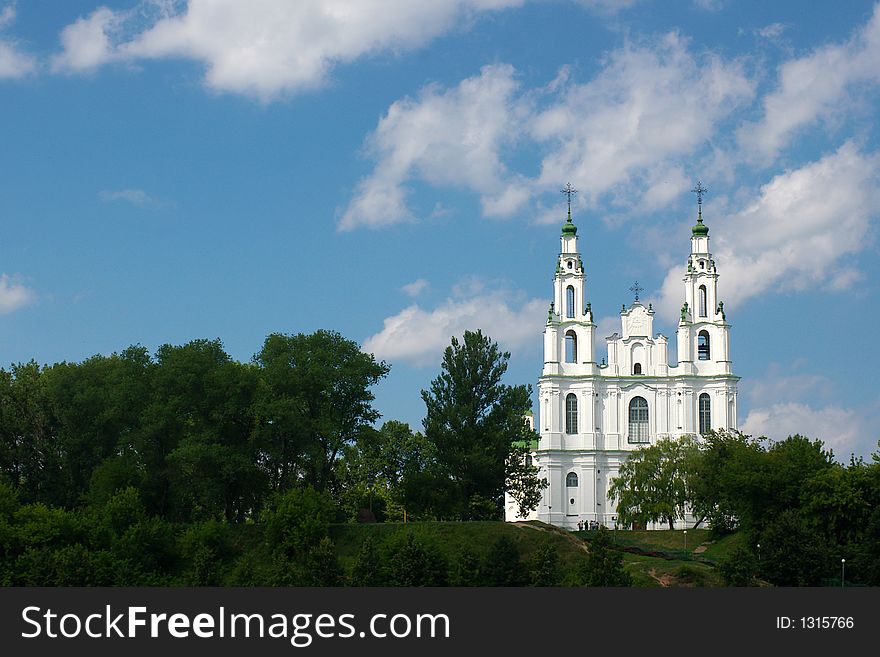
point(568, 335)
point(703, 331)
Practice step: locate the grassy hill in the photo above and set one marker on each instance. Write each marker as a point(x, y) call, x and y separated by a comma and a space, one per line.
point(653, 558)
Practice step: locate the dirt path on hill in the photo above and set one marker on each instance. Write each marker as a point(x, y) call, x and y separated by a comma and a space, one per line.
point(580, 544)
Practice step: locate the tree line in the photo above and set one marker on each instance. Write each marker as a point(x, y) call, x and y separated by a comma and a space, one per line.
point(133, 456)
point(291, 544)
point(799, 512)
point(202, 436)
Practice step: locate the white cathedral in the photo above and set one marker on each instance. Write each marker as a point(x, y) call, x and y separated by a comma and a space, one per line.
point(592, 415)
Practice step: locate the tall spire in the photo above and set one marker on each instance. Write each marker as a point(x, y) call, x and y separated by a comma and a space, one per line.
point(569, 228)
point(700, 229)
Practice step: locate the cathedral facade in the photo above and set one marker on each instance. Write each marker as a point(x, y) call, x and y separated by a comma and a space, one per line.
point(592, 415)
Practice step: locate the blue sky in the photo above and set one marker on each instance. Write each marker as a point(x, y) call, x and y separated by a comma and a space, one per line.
point(390, 169)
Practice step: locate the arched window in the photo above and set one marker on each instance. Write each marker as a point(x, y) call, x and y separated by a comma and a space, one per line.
point(571, 413)
point(637, 368)
point(702, 292)
point(571, 480)
point(703, 345)
point(569, 302)
point(638, 420)
point(571, 347)
point(705, 413)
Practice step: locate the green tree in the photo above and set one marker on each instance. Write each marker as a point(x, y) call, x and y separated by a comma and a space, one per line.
point(654, 482)
point(739, 568)
point(374, 471)
point(199, 427)
point(297, 520)
point(503, 565)
point(314, 399)
point(727, 475)
point(321, 566)
point(411, 563)
point(544, 566)
point(473, 421)
point(97, 405)
point(368, 569)
point(792, 554)
point(30, 452)
point(466, 569)
point(603, 566)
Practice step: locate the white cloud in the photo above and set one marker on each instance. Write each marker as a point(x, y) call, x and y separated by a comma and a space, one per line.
point(796, 234)
point(263, 48)
point(839, 428)
point(14, 62)
point(136, 197)
point(419, 336)
point(13, 295)
point(772, 31)
point(649, 105)
point(415, 288)
point(88, 43)
point(812, 88)
point(446, 137)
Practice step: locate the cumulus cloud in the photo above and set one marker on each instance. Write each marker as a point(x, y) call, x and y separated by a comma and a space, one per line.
point(136, 197)
point(13, 295)
point(88, 43)
point(14, 61)
point(651, 103)
point(446, 137)
point(812, 88)
point(839, 428)
point(795, 234)
point(419, 335)
point(262, 48)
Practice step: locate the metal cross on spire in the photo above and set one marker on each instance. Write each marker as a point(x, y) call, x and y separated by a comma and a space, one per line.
point(568, 191)
point(699, 190)
point(637, 289)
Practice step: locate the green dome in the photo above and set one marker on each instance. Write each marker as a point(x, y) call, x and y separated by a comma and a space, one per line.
point(700, 229)
point(569, 229)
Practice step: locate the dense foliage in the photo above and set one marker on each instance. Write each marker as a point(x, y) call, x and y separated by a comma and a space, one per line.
point(150, 469)
point(799, 510)
point(199, 435)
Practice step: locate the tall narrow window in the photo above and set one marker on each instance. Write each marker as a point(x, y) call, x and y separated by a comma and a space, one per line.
point(702, 292)
point(703, 345)
point(705, 413)
point(571, 480)
point(638, 420)
point(571, 347)
point(569, 302)
point(571, 413)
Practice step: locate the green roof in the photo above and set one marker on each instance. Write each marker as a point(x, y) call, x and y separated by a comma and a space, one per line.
point(569, 228)
point(700, 229)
